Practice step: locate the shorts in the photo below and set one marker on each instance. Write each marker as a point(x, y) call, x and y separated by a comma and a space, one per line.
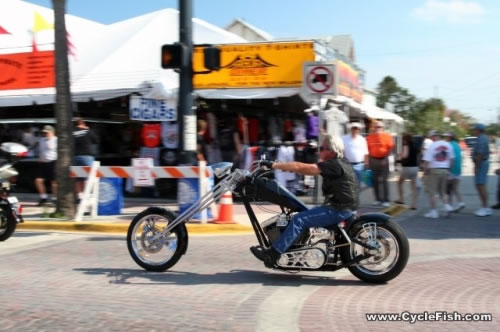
point(482, 172)
point(438, 181)
point(84, 160)
point(46, 170)
point(409, 173)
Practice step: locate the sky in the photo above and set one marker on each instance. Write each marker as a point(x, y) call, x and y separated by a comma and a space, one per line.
point(434, 48)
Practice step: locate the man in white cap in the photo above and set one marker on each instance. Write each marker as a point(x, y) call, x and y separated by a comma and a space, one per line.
point(47, 164)
point(356, 150)
point(438, 160)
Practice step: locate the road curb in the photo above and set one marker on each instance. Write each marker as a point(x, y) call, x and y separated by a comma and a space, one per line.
point(395, 210)
point(121, 228)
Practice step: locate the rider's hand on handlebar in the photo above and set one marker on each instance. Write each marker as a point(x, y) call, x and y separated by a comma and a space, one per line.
point(266, 163)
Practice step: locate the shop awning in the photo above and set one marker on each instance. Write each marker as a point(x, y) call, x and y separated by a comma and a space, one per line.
point(265, 93)
point(379, 113)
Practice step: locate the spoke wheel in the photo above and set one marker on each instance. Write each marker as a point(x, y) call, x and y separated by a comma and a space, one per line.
point(148, 247)
point(7, 226)
point(387, 261)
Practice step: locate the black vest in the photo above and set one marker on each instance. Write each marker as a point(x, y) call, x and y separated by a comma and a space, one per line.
point(342, 193)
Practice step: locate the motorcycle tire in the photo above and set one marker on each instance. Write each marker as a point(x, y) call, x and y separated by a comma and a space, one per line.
point(7, 225)
point(179, 235)
point(403, 252)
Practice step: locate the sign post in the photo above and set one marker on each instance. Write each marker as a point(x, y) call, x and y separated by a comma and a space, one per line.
point(318, 80)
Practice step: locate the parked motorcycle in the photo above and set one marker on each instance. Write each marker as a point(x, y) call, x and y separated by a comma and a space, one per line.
point(10, 209)
point(373, 247)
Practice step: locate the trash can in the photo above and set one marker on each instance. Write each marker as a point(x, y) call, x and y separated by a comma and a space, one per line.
point(110, 196)
point(188, 192)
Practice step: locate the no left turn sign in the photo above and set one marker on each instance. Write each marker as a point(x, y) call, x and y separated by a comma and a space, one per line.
point(319, 78)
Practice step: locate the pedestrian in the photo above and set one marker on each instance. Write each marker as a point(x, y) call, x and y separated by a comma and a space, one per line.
point(438, 160)
point(339, 188)
point(480, 157)
point(356, 150)
point(455, 172)
point(409, 162)
point(47, 147)
point(380, 146)
point(201, 146)
point(497, 206)
point(84, 149)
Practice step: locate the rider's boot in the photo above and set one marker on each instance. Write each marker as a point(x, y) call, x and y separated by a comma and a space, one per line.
point(268, 256)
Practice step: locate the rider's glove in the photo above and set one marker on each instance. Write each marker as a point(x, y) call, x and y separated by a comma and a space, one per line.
point(266, 163)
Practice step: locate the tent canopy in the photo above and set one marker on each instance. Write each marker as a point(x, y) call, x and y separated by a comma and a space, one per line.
point(109, 60)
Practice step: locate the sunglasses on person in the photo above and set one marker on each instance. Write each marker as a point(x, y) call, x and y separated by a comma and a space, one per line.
point(323, 148)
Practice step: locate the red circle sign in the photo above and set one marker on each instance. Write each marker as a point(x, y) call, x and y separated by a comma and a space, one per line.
point(319, 79)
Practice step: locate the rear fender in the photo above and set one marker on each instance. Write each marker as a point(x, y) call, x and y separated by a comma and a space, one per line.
point(379, 218)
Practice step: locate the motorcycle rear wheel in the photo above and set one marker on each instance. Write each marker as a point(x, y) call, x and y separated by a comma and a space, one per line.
point(7, 226)
point(156, 255)
point(388, 262)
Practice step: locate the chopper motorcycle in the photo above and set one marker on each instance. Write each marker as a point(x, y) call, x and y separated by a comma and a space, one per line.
point(10, 209)
point(373, 247)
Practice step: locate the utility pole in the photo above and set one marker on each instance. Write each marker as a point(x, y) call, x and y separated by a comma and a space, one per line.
point(186, 114)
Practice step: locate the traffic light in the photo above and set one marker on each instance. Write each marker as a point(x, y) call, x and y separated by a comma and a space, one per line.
point(171, 56)
point(211, 58)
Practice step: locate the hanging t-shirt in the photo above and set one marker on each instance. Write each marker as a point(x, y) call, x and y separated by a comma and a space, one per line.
point(170, 134)
point(153, 153)
point(253, 130)
point(312, 127)
point(151, 135)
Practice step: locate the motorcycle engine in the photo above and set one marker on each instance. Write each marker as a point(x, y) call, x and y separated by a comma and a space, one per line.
point(309, 252)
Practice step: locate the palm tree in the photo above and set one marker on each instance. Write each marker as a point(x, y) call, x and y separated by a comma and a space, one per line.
point(65, 198)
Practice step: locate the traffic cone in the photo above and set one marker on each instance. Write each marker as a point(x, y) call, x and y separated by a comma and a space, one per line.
point(225, 209)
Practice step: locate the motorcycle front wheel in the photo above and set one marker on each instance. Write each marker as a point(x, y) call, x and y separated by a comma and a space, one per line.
point(7, 225)
point(156, 254)
point(388, 261)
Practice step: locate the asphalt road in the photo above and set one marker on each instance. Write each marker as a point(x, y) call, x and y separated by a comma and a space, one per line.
point(83, 282)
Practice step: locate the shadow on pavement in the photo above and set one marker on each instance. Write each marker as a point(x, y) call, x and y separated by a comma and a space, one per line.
point(124, 276)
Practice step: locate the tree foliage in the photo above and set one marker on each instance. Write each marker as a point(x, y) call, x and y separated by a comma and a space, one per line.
point(421, 116)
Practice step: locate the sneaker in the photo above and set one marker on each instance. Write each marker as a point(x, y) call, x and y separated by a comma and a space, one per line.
point(42, 201)
point(459, 207)
point(496, 206)
point(447, 210)
point(483, 212)
point(433, 214)
point(386, 204)
point(377, 203)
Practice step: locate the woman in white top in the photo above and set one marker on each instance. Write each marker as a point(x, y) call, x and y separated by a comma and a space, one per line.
point(47, 146)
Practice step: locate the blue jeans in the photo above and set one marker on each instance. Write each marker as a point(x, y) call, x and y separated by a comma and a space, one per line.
point(84, 160)
point(358, 170)
point(320, 216)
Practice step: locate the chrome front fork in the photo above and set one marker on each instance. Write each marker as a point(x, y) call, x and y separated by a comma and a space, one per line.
point(204, 202)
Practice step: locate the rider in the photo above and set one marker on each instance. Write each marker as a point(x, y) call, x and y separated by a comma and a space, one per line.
point(339, 188)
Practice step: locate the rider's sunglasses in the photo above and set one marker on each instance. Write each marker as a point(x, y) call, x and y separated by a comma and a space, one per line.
point(323, 148)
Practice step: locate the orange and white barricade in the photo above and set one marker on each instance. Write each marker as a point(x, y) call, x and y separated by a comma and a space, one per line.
point(91, 191)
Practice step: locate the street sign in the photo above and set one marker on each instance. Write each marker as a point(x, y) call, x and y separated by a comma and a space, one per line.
point(319, 78)
point(142, 172)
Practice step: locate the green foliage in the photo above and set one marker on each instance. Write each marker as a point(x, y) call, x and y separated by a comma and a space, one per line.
point(422, 115)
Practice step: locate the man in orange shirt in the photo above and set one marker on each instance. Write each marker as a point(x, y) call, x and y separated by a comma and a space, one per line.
point(380, 146)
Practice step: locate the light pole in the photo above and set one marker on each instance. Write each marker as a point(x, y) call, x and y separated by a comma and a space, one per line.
point(187, 115)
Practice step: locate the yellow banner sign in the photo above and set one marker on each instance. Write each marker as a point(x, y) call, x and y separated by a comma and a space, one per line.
point(259, 65)
point(349, 83)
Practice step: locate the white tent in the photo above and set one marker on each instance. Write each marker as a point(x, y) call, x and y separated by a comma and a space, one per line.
point(110, 60)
